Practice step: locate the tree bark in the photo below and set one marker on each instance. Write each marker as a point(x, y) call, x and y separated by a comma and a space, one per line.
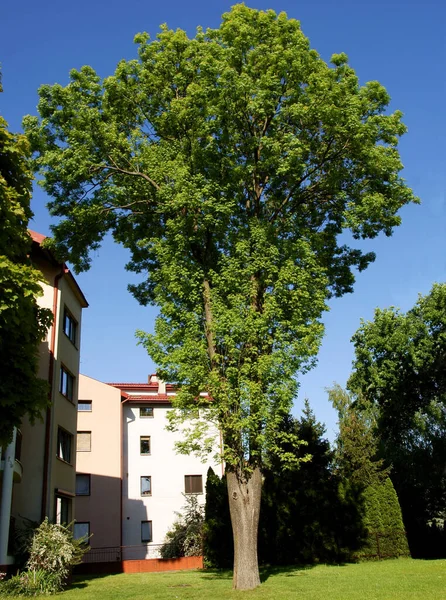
point(244, 504)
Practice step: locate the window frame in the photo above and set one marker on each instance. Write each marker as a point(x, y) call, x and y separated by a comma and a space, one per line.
point(144, 438)
point(81, 536)
point(70, 326)
point(149, 493)
point(66, 505)
point(141, 416)
point(77, 440)
point(63, 433)
point(66, 383)
point(150, 538)
point(85, 403)
point(88, 477)
point(189, 479)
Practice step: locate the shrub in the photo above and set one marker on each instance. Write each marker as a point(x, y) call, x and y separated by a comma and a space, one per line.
point(185, 538)
point(383, 520)
point(32, 583)
point(52, 554)
point(54, 550)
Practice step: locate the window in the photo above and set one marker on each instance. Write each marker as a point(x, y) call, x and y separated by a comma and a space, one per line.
point(84, 406)
point(66, 383)
point(144, 442)
point(69, 326)
point(83, 441)
point(82, 484)
point(81, 530)
point(64, 442)
point(146, 531)
point(63, 506)
point(193, 484)
point(146, 411)
point(146, 485)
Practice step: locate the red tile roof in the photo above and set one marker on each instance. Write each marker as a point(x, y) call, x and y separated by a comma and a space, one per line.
point(36, 237)
point(159, 398)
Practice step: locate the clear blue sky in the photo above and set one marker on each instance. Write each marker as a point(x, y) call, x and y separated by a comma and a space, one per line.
point(400, 43)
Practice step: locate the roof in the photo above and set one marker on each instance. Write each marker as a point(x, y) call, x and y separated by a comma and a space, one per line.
point(158, 399)
point(36, 237)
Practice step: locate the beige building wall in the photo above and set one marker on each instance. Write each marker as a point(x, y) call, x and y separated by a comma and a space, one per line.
point(45, 476)
point(102, 507)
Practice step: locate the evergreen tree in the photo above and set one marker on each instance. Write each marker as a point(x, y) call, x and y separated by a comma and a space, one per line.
point(307, 515)
point(218, 547)
point(358, 463)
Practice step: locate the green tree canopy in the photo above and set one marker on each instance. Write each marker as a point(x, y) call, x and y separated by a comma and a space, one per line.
point(23, 323)
point(228, 164)
point(400, 369)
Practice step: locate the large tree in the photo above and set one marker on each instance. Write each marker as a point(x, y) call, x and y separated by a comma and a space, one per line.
point(23, 323)
point(400, 369)
point(228, 164)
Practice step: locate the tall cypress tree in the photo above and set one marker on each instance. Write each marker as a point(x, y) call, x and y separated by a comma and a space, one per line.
point(358, 463)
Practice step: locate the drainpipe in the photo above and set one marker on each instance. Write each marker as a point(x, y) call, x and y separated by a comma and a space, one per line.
point(6, 498)
point(126, 398)
point(46, 458)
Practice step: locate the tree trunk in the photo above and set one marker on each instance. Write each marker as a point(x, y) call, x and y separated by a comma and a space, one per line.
point(244, 505)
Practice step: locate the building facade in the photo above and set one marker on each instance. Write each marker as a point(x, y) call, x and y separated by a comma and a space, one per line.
point(127, 466)
point(38, 470)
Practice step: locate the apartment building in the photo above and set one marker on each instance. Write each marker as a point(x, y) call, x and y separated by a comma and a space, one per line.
point(130, 480)
point(37, 470)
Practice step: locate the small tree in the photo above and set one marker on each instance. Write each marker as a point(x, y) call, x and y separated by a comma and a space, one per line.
point(228, 164)
point(185, 538)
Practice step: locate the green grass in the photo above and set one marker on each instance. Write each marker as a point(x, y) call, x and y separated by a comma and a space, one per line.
point(402, 579)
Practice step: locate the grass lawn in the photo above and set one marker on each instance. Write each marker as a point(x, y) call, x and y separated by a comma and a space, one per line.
point(402, 579)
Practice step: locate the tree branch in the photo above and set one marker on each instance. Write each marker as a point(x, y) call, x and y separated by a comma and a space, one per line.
point(127, 172)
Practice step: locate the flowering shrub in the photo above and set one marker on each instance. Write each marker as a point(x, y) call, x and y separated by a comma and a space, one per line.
point(52, 554)
point(54, 550)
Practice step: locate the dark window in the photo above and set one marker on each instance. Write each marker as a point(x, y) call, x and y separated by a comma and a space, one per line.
point(63, 506)
point(81, 530)
point(83, 441)
point(84, 406)
point(146, 531)
point(193, 484)
point(69, 326)
point(66, 383)
point(146, 485)
point(64, 442)
point(146, 411)
point(145, 444)
point(82, 484)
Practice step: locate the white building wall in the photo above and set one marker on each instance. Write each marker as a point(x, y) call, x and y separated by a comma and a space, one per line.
point(166, 469)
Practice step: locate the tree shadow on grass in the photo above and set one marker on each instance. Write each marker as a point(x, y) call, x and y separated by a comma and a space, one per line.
point(81, 581)
point(215, 574)
point(265, 572)
point(288, 571)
